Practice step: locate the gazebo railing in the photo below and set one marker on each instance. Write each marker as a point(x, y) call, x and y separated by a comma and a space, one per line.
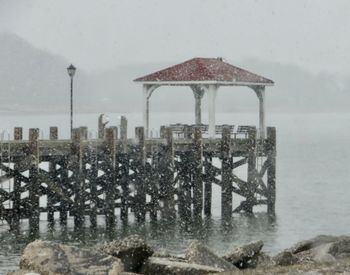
point(182, 130)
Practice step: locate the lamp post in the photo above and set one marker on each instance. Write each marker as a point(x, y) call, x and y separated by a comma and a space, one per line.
point(71, 71)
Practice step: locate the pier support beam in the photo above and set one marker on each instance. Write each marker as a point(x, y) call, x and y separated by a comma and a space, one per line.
point(226, 172)
point(34, 184)
point(271, 171)
point(79, 181)
point(18, 135)
point(111, 172)
point(140, 188)
point(167, 177)
point(53, 175)
point(197, 173)
point(251, 179)
point(124, 169)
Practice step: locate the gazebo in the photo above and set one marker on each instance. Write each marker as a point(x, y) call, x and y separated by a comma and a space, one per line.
point(204, 75)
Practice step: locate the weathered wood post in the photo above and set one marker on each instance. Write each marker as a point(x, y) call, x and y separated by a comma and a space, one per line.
point(207, 184)
point(154, 181)
point(197, 173)
point(111, 181)
point(101, 126)
point(124, 173)
point(250, 199)
point(140, 188)
point(53, 176)
point(167, 176)
point(162, 131)
point(271, 171)
point(226, 174)
point(18, 135)
point(66, 184)
point(34, 184)
point(93, 175)
point(79, 181)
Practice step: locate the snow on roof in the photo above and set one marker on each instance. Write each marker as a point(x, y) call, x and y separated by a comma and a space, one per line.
point(205, 70)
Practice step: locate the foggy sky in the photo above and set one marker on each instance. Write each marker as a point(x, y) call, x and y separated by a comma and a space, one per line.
point(99, 35)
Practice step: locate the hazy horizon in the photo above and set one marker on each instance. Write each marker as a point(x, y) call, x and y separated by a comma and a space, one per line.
point(100, 35)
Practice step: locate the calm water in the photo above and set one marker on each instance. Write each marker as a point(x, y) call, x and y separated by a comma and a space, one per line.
point(313, 187)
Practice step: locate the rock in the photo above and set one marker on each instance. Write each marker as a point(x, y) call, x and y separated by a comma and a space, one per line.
point(23, 272)
point(285, 258)
point(245, 256)
point(340, 248)
point(264, 260)
point(200, 254)
point(314, 242)
point(132, 250)
point(321, 253)
point(49, 258)
point(167, 266)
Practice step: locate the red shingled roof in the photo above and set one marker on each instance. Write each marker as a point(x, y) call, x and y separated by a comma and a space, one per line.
point(205, 69)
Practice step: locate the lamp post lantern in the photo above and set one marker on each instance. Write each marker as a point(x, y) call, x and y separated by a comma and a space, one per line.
point(71, 71)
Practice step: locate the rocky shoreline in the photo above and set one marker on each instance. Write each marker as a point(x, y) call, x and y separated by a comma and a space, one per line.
point(132, 255)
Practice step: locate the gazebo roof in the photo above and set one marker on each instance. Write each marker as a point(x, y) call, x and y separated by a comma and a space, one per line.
point(204, 71)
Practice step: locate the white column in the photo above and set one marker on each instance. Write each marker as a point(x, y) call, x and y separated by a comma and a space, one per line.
point(145, 109)
point(147, 92)
point(198, 93)
point(212, 91)
point(260, 92)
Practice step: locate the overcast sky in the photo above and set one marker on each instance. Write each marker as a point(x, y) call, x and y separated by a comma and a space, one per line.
point(102, 34)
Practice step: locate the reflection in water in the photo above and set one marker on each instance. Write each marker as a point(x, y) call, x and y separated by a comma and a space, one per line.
point(170, 237)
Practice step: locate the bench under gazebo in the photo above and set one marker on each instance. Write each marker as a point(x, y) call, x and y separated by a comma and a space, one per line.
point(204, 75)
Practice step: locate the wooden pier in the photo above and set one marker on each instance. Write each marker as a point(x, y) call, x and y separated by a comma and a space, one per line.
point(155, 178)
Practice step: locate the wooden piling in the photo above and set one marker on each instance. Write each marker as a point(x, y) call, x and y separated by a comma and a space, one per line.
point(18, 135)
point(207, 184)
point(101, 126)
point(167, 176)
point(79, 181)
point(271, 171)
point(123, 159)
point(226, 174)
point(124, 132)
point(169, 170)
point(92, 177)
point(197, 173)
point(65, 182)
point(53, 175)
point(111, 172)
point(34, 184)
point(140, 188)
point(250, 189)
point(154, 183)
